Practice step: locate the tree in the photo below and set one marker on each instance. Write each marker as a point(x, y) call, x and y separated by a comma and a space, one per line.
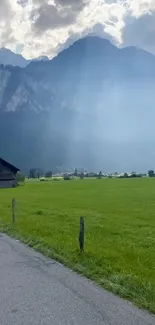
point(100, 175)
point(67, 177)
point(20, 177)
point(35, 173)
point(133, 174)
point(49, 174)
point(76, 172)
point(82, 175)
point(151, 173)
point(39, 172)
point(32, 173)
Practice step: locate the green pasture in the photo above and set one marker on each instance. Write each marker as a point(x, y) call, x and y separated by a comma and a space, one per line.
point(119, 229)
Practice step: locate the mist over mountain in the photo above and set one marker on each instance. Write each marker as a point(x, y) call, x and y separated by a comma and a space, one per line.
point(92, 106)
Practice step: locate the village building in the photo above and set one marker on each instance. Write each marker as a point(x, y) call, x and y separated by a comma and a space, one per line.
point(7, 174)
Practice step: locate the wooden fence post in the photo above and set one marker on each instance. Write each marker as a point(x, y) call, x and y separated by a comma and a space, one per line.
point(81, 234)
point(13, 210)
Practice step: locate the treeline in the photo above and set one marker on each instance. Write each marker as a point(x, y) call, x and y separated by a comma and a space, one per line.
point(38, 173)
point(132, 175)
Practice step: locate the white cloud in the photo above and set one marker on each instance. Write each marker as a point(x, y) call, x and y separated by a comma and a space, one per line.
point(43, 27)
point(139, 8)
point(139, 27)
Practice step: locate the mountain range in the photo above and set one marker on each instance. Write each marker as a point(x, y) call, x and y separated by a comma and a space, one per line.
point(92, 106)
point(7, 57)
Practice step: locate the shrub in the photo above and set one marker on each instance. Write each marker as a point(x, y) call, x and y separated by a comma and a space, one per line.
point(67, 177)
point(42, 179)
point(56, 179)
point(20, 177)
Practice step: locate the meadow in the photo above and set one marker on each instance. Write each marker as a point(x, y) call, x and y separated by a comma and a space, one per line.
point(119, 229)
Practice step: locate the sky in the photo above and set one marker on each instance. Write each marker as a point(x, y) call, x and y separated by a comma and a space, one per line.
point(44, 27)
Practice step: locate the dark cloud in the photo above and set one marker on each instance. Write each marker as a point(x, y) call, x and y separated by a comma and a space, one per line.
point(64, 3)
point(49, 17)
point(22, 3)
point(77, 5)
point(63, 13)
point(140, 32)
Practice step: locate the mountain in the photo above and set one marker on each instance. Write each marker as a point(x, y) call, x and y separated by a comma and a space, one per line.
point(7, 57)
point(91, 106)
point(41, 58)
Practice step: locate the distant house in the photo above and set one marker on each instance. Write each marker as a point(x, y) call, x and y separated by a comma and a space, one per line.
point(7, 174)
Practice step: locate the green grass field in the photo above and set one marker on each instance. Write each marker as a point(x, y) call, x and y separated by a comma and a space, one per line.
point(119, 229)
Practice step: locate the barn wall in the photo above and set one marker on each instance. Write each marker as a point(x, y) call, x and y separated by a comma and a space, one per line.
point(7, 184)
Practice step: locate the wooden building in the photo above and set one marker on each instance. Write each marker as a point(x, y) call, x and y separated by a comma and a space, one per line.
point(7, 174)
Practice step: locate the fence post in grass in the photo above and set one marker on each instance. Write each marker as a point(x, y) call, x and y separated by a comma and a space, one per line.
point(81, 234)
point(13, 210)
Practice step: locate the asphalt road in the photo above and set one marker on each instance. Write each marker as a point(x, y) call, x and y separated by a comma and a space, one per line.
point(37, 290)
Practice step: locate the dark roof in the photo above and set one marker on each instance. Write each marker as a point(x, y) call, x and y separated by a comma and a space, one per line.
point(11, 167)
point(7, 177)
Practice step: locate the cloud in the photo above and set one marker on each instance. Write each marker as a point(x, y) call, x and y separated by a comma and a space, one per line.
point(77, 5)
point(49, 17)
point(96, 30)
point(47, 26)
point(22, 3)
point(57, 15)
point(140, 32)
point(6, 32)
point(4, 9)
point(7, 36)
point(139, 25)
point(5, 12)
